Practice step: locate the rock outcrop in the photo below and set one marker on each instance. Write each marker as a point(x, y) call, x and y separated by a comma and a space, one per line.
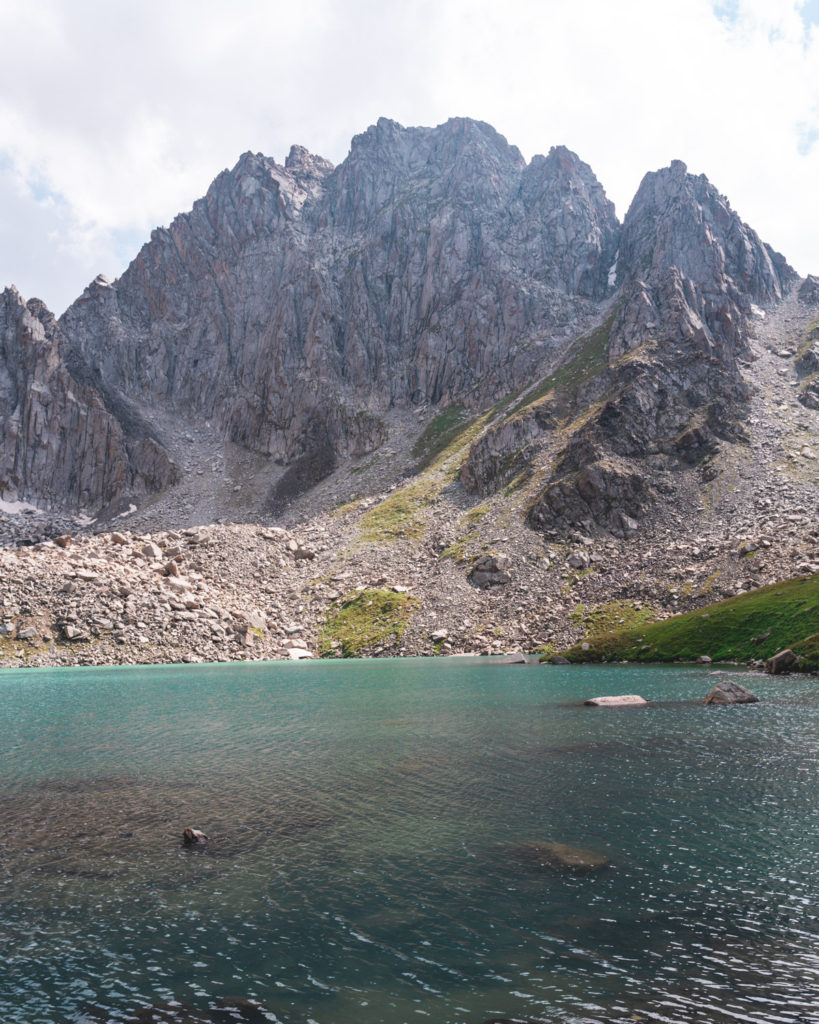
point(65, 443)
point(658, 384)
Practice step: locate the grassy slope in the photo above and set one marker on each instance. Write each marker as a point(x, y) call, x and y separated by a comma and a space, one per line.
point(749, 626)
point(364, 619)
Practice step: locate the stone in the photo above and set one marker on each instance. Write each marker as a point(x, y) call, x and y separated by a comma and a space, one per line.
point(298, 654)
point(513, 659)
point(782, 662)
point(63, 541)
point(193, 837)
point(561, 857)
point(71, 632)
point(623, 700)
point(558, 659)
point(490, 571)
point(726, 691)
point(704, 659)
point(809, 291)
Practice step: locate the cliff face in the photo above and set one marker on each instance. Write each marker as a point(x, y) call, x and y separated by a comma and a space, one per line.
point(60, 445)
point(293, 305)
point(667, 386)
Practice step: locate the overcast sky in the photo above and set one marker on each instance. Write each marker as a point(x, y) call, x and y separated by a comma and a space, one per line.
point(116, 115)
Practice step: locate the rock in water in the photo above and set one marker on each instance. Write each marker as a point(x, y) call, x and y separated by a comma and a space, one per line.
point(561, 857)
point(624, 700)
point(782, 662)
point(729, 692)
point(193, 837)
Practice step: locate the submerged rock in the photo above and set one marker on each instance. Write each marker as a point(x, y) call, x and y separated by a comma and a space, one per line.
point(623, 700)
point(561, 857)
point(729, 692)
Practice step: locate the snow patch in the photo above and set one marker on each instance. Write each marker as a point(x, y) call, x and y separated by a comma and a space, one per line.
point(14, 508)
point(756, 311)
point(613, 270)
point(131, 509)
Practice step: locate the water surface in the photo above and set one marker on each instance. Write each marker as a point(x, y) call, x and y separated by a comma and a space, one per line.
point(367, 826)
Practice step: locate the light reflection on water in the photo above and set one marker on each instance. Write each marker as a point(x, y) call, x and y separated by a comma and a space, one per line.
point(366, 821)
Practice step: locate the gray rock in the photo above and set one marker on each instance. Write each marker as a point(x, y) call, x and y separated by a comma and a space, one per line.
point(728, 692)
point(65, 442)
point(490, 571)
point(809, 290)
point(782, 662)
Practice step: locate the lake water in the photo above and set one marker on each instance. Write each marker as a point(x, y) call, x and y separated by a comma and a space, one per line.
point(367, 825)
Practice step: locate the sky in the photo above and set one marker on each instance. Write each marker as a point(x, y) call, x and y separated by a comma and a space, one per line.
point(116, 115)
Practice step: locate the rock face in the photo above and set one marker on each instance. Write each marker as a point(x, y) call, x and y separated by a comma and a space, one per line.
point(294, 305)
point(295, 308)
point(64, 442)
point(660, 379)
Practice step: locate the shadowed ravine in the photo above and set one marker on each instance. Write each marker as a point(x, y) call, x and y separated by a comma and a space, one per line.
point(371, 832)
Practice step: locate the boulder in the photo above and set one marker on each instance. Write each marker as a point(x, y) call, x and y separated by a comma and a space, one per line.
point(490, 571)
point(809, 290)
point(561, 857)
point(193, 837)
point(782, 662)
point(558, 659)
point(513, 659)
point(578, 560)
point(151, 551)
point(623, 700)
point(728, 692)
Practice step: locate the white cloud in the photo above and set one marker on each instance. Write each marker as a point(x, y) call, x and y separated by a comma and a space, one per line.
point(115, 116)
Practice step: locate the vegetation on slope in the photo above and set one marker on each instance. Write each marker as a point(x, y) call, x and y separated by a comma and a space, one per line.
point(747, 627)
point(438, 435)
point(364, 619)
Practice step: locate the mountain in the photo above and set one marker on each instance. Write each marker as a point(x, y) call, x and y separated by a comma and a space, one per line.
point(441, 369)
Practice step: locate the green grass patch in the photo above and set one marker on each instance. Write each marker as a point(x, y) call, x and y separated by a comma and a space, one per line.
point(749, 626)
point(807, 340)
point(398, 516)
point(364, 619)
point(589, 358)
point(438, 434)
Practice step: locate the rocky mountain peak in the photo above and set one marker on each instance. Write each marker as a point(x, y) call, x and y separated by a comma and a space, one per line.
point(296, 309)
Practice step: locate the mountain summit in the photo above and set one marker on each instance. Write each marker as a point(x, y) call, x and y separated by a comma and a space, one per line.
point(296, 310)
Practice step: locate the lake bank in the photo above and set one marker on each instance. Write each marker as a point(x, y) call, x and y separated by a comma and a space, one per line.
point(230, 593)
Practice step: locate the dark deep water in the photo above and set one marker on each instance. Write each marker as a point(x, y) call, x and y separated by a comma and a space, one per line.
point(364, 819)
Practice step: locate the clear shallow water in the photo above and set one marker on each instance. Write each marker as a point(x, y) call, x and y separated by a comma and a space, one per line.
point(365, 823)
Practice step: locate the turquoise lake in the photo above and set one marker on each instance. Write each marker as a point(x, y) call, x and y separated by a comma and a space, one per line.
point(368, 822)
